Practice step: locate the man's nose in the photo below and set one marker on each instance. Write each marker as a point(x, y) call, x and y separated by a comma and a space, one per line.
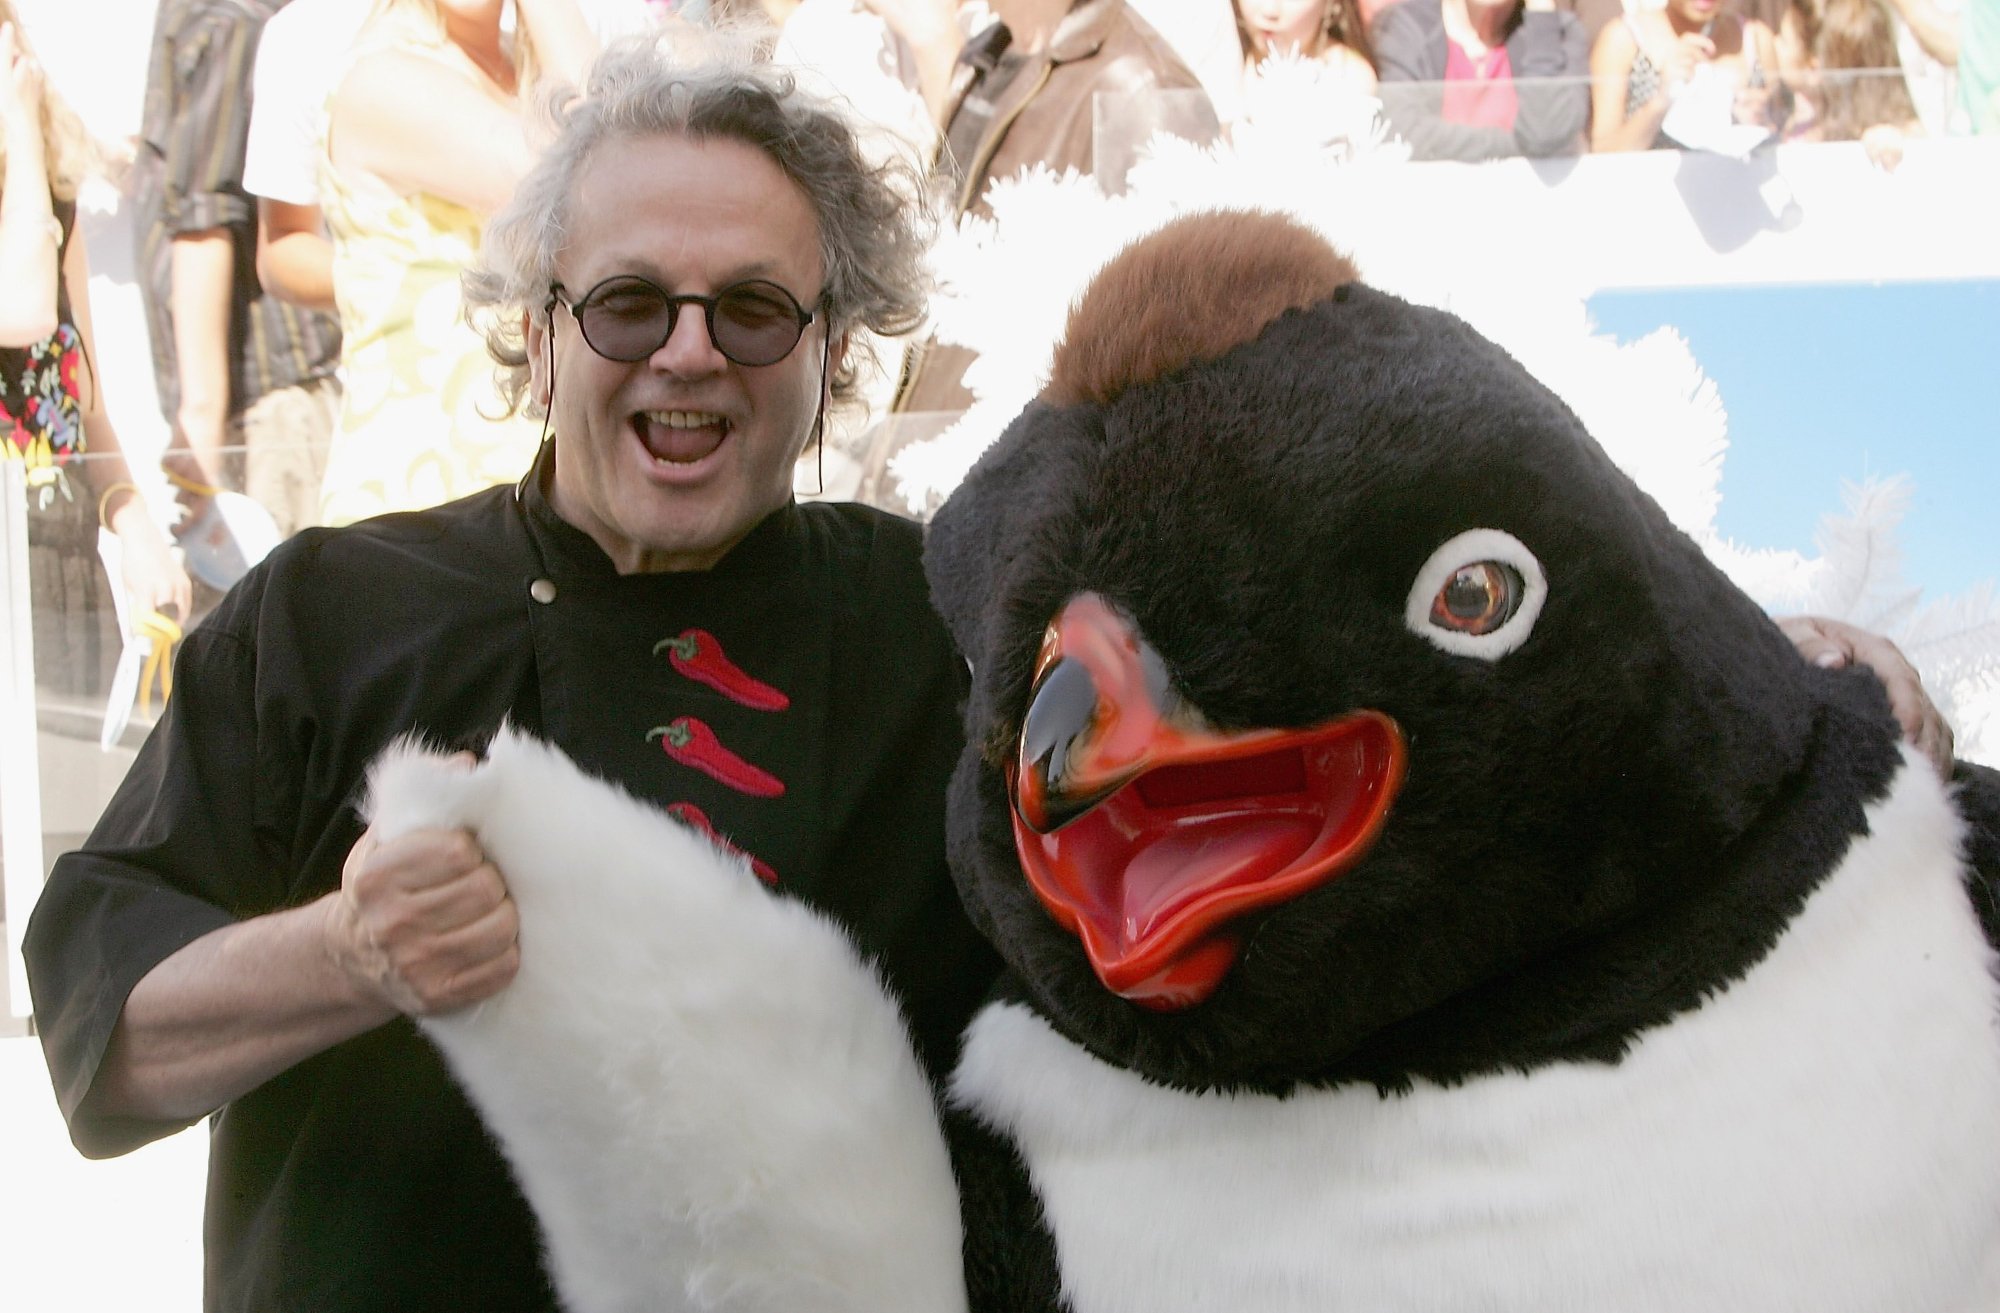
point(688, 348)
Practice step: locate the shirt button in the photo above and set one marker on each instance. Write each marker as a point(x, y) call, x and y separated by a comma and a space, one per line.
point(543, 590)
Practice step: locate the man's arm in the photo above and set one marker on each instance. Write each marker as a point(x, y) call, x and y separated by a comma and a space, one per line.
point(226, 1013)
point(227, 918)
point(419, 925)
point(294, 258)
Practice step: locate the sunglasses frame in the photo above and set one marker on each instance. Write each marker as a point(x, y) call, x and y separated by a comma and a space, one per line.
point(674, 301)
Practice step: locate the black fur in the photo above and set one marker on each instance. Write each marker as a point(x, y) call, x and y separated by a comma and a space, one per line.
point(1010, 1257)
point(1978, 790)
point(1594, 806)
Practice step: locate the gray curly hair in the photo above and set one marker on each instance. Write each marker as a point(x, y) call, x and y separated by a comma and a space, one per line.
point(873, 216)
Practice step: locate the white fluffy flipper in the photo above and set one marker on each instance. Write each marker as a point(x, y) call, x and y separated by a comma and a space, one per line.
point(708, 1097)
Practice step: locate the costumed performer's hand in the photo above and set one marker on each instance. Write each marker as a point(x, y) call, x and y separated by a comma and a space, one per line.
point(1833, 644)
point(424, 922)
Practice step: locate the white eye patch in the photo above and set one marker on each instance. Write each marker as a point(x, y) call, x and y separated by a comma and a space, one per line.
point(1478, 595)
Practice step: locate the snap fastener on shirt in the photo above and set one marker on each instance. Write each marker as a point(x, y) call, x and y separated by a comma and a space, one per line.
point(543, 590)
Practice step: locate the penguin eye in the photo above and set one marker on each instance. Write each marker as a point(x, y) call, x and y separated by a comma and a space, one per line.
point(1478, 595)
point(1478, 598)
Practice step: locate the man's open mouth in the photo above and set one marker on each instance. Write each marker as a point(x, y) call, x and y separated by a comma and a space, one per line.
point(680, 437)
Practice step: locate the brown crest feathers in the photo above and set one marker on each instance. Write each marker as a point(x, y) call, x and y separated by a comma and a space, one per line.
point(1189, 292)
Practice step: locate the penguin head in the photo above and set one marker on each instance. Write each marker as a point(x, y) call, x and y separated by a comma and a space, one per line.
point(1323, 668)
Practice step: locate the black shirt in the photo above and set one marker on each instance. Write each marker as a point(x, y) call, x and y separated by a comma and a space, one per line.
point(361, 1178)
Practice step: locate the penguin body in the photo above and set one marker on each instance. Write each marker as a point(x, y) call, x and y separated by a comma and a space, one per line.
point(1649, 973)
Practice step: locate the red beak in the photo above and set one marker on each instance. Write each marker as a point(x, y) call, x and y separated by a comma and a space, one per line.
point(1150, 838)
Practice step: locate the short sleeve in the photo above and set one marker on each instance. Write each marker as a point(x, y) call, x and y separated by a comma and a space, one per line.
point(202, 144)
point(176, 855)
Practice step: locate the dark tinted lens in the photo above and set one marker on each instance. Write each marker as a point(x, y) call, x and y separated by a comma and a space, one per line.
point(756, 323)
point(627, 319)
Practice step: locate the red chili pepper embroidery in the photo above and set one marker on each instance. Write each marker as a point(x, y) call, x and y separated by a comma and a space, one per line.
point(689, 814)
point(697, 654)
point(693, 743)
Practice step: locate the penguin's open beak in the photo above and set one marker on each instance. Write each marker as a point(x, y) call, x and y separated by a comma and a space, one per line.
point(1149, 835)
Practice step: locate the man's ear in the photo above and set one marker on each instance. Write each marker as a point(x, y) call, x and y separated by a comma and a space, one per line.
point(535, 339)
point(836, 358)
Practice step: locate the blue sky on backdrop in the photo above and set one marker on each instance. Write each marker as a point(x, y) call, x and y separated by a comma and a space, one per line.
point(1838, 382)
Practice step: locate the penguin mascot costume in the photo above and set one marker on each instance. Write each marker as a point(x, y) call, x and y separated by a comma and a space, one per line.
point(1426, 882)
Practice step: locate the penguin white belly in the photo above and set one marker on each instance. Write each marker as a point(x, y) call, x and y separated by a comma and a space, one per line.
point(1824, 1135)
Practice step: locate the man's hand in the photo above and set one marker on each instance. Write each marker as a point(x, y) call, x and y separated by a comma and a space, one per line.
point(424, 922)
point(1832, 644)
point(421, 924)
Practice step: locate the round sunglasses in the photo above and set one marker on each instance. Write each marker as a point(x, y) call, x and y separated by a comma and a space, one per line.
point(628, 318)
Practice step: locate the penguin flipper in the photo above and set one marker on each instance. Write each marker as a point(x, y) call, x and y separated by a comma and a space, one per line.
point(708, 1097)
point(1010, 1256)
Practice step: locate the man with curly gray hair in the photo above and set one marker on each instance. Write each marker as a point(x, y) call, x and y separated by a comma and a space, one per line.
point(872, 218)
point(680, 284)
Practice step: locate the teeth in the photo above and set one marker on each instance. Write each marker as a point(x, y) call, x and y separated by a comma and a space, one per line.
point(684, 419)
